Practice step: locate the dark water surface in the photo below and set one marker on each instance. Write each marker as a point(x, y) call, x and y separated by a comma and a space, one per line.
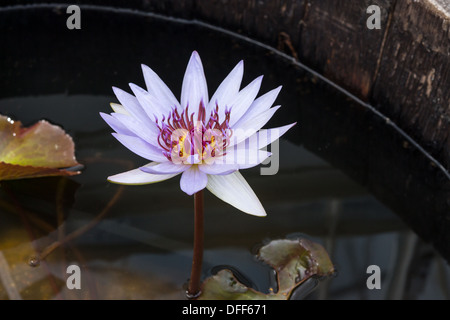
point(348, 178)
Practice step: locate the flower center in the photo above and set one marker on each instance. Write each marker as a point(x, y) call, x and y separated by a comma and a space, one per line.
point(190, 141)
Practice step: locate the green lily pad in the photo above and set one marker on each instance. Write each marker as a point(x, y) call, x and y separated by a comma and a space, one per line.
point(40, 150)
point(294, 261)
point(225, 286)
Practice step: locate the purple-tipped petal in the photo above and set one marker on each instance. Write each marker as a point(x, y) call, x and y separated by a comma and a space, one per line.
point(244, 158)
point(227, 90)
point(244, 99)
point(131, 104)
point(116, 125)
point(158, 88)
point(165, 168)
point(264, 137)
point(147, 132)
point(141, 148)
point(194, 89)
point(251, 126)
point(260, 105)
point(193, 180)
point(151, 105)
point(149, 123)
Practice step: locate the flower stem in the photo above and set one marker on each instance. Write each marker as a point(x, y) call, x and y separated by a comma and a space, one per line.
point(197, 258)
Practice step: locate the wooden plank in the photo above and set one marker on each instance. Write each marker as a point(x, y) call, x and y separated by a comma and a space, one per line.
point(413, 83)
point(403, 69)
point(264, 20)
point(336, 42)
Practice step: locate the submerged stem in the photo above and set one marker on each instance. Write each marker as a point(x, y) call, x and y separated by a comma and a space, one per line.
point(197, 257)
point(74, 234)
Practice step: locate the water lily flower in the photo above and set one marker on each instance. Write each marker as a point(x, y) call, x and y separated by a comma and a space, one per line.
point(205, 140)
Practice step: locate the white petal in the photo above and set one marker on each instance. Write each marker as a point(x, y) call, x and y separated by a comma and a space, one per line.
point(193, 180)
point(218, 168)
point(244, 99)
point(165, 168)
point(264, 137)
point(141, 148)
point(259, 106)
point(130, 103)
point(256, 159)
point(116, 125)
point(227, 90)
point(194, 88)
point(147, 131)
point(118, 108)
point(244, 158)
point(150, 104)
point(234, 190)
point(158, 88)
point(138, 177)
point(244, 130)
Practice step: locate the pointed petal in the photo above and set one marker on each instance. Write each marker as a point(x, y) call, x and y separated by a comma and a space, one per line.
point(116, 125)
point(138, 177)
point(244, 99)
point(130, 103)
point(264, 137)
point(158, 88)
point(165, 168)
point(141, 148)
point(255, 159)
point(193, 180)
point(147, 132)
point(244, 158)
point(233, 189)
point(118, 108)
point(218, 168)
point(194, 88)
point(259, 106)
point(249, 127)
point(151, 105)
point(227, 90)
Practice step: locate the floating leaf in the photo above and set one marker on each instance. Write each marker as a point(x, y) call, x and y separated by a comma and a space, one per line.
point(225, 286)
point(294, 261)
point(40, 150)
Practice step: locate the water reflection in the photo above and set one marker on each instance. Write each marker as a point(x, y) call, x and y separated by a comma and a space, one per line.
point(142, 248)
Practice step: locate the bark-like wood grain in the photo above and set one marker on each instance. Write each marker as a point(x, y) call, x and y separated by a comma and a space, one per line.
point(403, 69)
point(413, 83)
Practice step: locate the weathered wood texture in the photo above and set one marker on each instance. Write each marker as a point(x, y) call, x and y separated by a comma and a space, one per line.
point(413, 82)
point(335, 41)
point(403, 69)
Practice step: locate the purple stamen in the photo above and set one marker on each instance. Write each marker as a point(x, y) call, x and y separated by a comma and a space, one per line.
point(195, 131)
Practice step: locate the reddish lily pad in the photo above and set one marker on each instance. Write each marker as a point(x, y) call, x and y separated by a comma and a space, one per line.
point(40, 150)
point(294, 261)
